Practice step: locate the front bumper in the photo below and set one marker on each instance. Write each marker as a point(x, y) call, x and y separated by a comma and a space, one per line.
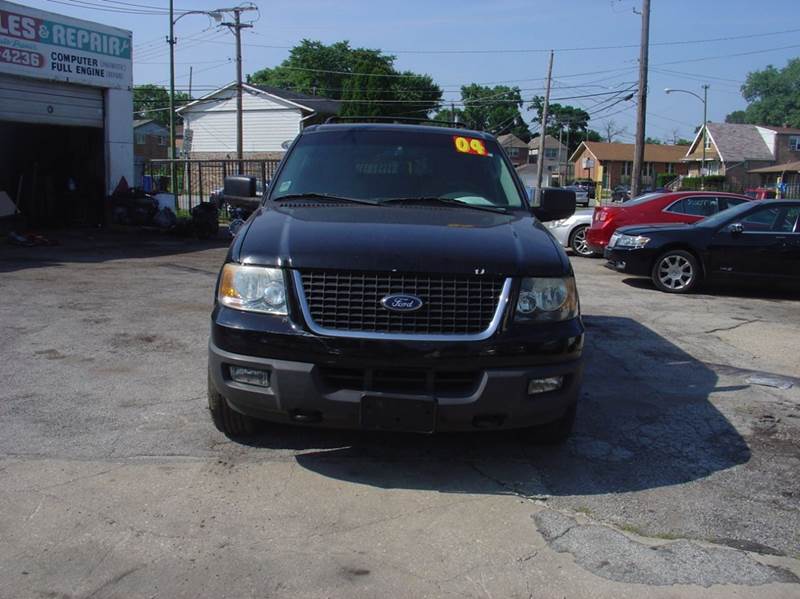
point(300, 393)
point(637, 262)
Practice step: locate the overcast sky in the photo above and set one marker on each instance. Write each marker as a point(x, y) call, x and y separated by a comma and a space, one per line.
point(414, 29)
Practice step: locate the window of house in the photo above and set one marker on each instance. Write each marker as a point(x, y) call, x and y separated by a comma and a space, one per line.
point(708, 142)
point(794, 143)
point(550, 152)
point(513, 152)
point(162, 140)
point(627, 168)
point(670, 168)
point(139, 137)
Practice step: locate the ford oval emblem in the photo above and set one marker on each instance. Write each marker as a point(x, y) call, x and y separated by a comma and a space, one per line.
point(401, 303)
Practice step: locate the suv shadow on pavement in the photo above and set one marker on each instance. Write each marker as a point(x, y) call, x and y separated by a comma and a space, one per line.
point(644, 422)
point(89, 246)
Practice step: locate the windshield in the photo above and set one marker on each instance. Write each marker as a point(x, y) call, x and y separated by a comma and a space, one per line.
point(384, 165)
point(724, 215)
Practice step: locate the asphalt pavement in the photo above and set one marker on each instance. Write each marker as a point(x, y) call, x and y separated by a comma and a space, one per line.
point(680, 480)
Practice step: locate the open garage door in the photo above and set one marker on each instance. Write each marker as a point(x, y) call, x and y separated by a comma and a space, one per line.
point(42, 102)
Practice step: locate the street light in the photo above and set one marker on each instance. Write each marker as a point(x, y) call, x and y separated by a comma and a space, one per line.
point(217, 16)
point(704, 100)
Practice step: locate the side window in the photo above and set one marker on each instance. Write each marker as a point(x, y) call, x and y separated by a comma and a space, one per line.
point(678, 207)
point(725, 203)
point(699, 206)
point(789, 221)
point(761, 220)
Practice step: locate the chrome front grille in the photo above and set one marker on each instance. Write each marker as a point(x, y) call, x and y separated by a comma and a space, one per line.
point(350, 302)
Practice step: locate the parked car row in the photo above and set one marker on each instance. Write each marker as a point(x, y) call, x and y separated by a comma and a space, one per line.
point(682, 238)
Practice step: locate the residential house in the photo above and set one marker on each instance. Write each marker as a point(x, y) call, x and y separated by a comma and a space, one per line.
point(612, 163)
point(786, 175)
point(555, 161)
point(516, 149)
point(150, 141)
point(271, 118)
point(738, 152)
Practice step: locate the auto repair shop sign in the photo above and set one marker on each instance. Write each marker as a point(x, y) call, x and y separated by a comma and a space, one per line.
point(40, 44)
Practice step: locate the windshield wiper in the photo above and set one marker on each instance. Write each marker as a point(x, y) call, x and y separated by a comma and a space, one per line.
point(439, 200)
point(323, 196)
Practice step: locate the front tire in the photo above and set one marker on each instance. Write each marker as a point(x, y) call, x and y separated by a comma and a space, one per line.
point(676, 271)
point(577, 241)
point(228, 421)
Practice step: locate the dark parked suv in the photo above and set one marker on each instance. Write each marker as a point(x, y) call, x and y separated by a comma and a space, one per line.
point(396, 278)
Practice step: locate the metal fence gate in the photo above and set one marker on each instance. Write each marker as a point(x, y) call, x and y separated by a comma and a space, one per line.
point(196, 180)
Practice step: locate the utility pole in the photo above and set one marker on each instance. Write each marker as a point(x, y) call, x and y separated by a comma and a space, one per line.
point(190, 81)
point(172, 180)
point(705, 120)
point(453, 112)
point(545, 107)
point(641, 112)
point(237, 27)
point(560, 137)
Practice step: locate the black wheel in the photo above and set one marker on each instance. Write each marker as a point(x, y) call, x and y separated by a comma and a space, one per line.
point(228, 421)
point(577, 241)
point(553, 433)
point(676, 271)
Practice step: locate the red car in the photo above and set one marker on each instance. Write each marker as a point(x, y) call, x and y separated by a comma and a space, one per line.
point(653, 208)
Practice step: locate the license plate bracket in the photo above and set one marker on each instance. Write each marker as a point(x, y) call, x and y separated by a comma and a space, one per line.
point(398, 414)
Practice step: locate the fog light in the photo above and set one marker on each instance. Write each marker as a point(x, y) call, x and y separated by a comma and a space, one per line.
point(552, 383)
point(249, 376)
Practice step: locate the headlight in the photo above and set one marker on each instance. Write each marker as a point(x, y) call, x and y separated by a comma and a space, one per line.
point(554, 224)
point(547, 299)
point(253, 289)
point(631, 241)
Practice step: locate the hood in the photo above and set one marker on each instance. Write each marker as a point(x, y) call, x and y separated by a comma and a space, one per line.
point(657, 228)
point(401, 238)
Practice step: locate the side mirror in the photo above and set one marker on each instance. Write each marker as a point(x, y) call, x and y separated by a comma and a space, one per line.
point(736, 229)
point(240, 186)
point(554, 204)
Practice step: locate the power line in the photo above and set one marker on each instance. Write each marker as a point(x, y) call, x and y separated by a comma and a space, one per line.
point(573, 49)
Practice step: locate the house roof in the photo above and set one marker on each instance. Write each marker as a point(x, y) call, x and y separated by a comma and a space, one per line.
point(319, 104)
point(140, 122)
point(549, 142)
point(624, 152)
point(778, 168)
point(509, 140)
point(305, 102)
point(735, 142)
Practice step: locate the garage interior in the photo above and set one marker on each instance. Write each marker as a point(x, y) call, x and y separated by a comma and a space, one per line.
point(54, 174)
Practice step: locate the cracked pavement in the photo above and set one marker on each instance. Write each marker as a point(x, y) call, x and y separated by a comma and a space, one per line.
point(681, 475)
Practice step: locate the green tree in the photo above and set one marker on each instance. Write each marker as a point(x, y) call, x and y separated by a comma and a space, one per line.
point(652, 140)
point(569, 121)
point(152, 102)
point(364, 79)
point(495, 109)
point(773, 97)
point(737, 116)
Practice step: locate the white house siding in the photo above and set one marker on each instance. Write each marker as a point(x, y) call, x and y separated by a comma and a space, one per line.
point(266, 124)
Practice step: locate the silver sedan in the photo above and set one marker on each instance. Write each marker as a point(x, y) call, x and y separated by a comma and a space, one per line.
point(571, 232)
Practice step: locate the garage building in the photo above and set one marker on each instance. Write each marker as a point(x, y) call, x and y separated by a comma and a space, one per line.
point(66, 114)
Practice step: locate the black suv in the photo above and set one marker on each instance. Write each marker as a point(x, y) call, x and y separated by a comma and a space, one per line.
point(396, 278)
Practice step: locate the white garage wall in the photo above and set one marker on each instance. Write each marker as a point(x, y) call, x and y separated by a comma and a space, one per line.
point(266, 124)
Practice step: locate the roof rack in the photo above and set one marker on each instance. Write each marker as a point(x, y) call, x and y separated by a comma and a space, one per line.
point(391, 119)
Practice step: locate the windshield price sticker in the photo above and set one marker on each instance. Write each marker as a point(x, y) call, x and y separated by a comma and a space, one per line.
point(470, 145)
